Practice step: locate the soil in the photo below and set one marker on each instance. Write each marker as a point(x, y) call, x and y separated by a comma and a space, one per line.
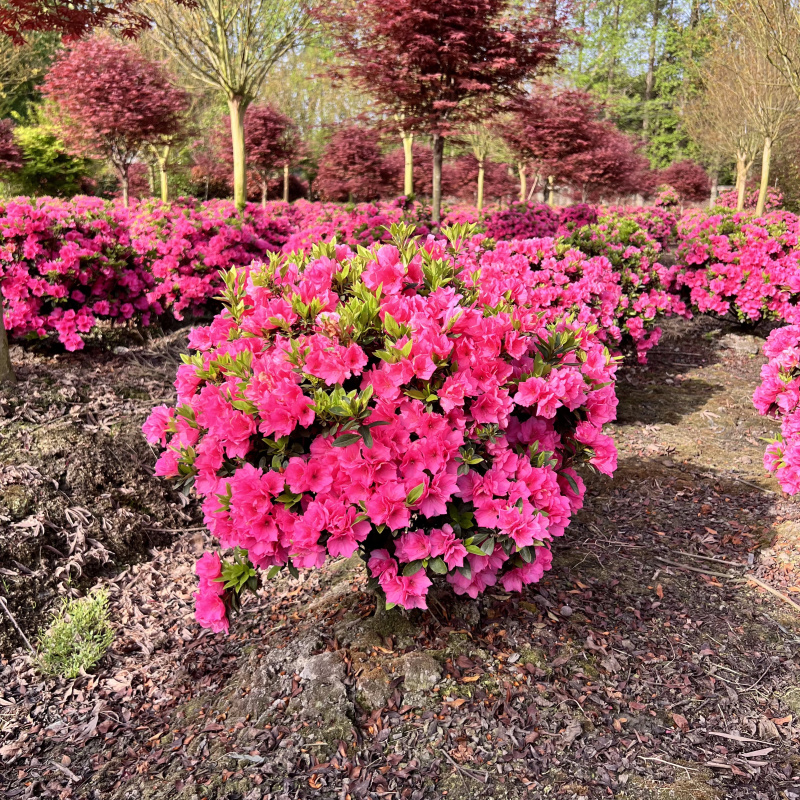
point(650, 663)
point(78, 499)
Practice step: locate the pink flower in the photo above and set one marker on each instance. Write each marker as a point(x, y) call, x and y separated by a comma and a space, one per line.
point(407, 591)
point(412, 546)
point(210, 611)
point(444, 543)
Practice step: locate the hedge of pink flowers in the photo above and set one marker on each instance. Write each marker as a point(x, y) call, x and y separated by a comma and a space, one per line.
point(779, 396)
point(774, 199)
point(65, 265)
point(392, 404)
point(735, 264)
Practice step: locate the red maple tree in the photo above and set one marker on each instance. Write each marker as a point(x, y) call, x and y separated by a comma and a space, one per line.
point(545, 128)
point(435, 64)
point(612, 167)
point(73, 19)
point(461, 179)
point(351, 166)
point(111, 101)
point(688, 179)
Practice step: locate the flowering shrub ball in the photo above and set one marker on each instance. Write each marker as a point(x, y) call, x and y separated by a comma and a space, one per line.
point(522, 221)
point(393, 403)
point(576, 216)
point(779, 396)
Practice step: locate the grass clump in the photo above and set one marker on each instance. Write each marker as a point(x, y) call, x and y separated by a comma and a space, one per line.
point(79, 635)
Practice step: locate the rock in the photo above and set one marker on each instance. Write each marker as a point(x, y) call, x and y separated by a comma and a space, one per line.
point(373, 688)
point(121, 351)
point(420, 672)
point(566, 611)
point(322, 667)
point(324, 696)
point(741, 344)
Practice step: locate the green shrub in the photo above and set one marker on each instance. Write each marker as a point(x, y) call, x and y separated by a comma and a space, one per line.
point(78, 637)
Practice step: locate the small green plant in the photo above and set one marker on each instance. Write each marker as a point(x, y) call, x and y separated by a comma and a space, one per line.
point(78, 636)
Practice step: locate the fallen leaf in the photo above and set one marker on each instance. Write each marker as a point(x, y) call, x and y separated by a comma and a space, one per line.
point(680, 721)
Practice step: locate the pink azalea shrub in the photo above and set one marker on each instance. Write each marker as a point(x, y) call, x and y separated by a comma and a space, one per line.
point(576, 216)
point(395, 403)
point(735, 264)
point(659, 222)
point(522, 221)
point(66, 264)
point(667, 197)
point(773, 201)
point(778, 396)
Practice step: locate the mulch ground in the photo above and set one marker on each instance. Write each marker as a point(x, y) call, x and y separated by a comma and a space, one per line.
point(651, 662)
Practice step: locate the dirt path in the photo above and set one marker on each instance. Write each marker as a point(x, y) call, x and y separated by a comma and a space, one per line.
point(620, 674)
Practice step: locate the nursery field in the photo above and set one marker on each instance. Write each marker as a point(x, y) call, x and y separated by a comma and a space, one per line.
point(543, 431)
point(621, 669)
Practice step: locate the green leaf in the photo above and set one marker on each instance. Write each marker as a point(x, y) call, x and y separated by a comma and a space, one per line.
point(415, 494)
point(438, 566)
point(366, 435)
point(273, 571)
point(412, 568)
point(346, 439)
point(475, 550)
point(487, 547)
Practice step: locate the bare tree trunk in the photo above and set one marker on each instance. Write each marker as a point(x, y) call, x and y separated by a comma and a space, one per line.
point(163, 157)
point(741, 181)
point(651, 66)
point(238, 108)
point(523, 182)
point(762, 189)
point(551, 190)
point(481, 178)
point(286, 182)
point(714, 186)
point(408, 154)
point(6, 370)
point(264, 189)
point(438, 157)
point(123, 180)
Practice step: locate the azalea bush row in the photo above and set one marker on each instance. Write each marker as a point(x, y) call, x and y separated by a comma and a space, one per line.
point(388, 403)
point(66, 266)
point(735, 265)
point(779, 396)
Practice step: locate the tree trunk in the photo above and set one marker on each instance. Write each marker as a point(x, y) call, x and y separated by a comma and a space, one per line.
point(612, 62)
point(238, 108)
point(741, 181)
point(762, 189)
point(523, 183)
point(408, 154)
point(481, 178)
point(438, 157)
point(714, 187)
point(551, 190)
point(286, 182)
point(123, 180)
point(163, 157)
point(6, 370)
point(651, 66)
point(264, 189)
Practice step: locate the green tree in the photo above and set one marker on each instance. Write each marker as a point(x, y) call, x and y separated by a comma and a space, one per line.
point(231, 45)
